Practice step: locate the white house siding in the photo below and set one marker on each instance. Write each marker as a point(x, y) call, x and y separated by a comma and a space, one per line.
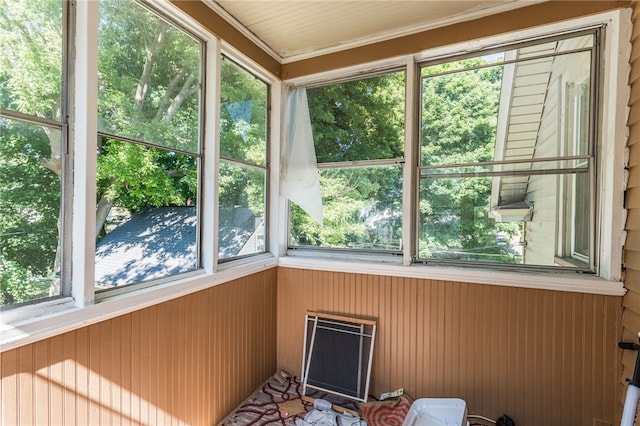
point(544, 232)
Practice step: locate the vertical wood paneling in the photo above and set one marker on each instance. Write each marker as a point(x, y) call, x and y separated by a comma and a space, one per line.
point(543, 357)
point(187, 361)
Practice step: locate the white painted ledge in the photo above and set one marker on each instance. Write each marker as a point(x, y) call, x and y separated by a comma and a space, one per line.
point(573, 282)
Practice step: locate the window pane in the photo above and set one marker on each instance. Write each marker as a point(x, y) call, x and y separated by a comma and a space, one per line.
point(359, 120)
point(30, 192)
point(147, 214)
point(31, 59)
point(243, 115)
point(149, 77)
point(459, 116)
point(241, 226)
point(362, 210)
point(503, 113)
point(506, 157)
point(458, 220)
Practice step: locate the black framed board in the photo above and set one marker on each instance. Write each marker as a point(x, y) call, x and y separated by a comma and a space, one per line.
point(337, 354)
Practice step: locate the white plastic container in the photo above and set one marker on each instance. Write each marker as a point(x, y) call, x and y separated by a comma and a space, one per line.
point(437, 412)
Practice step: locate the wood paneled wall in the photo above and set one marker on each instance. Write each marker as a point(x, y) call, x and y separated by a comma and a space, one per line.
point(542, 357)
point(631, 313)
point(187, 361)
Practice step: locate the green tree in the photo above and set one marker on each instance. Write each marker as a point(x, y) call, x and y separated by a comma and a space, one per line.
point(31, 155)
point(149, 80)
point(459, 119)
point(243, 138)
point(356, 121)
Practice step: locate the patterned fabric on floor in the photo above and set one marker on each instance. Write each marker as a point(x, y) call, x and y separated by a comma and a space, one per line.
point(386, 413)
point(278, 403)
point(263, 407)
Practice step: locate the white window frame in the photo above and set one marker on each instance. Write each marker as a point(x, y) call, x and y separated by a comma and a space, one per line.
point(355, 164)
point(268, 81)
point(611, 134)
point(573, 104)
point(83, 306)
point(565, 257)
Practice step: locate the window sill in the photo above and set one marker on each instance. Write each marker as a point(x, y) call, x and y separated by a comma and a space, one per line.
point(558, 281)
point(61, 316)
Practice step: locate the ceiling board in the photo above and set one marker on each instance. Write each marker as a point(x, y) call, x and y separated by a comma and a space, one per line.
point(293, 29)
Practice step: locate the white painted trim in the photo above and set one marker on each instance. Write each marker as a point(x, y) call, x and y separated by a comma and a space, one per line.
point(251, 66)
point(478, 45)
point(242, 29)
point(274, 205)
point(351, 73)
point(68, 318)
point(616, 69)
point(571, 282)
point(180, 18)
point(208, 187)
point(213, 156)
point(83, 139)
point(282, 203)
point(411, 145)
point(613, 135)
point(48, 324)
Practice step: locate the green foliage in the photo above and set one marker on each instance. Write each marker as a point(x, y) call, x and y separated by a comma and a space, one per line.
point(149, 77)
point(459, 115)
point(459, 120)
point(355, 121)
point(242, 187)
point(29, 198)
point(31, 59)
point(359, 120)
point(243, 115)
point(30, 163)
point(17, 285)
point(136, 176)
point(243, 139)
point(149, 90)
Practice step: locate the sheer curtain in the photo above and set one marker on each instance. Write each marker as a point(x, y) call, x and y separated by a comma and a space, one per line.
point(300, 181)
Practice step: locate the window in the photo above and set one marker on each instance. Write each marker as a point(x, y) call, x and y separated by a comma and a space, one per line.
point(506, 161)
point(243, 177)
point(149, 150)
point(151, 204)
point(32, 155)
point(358, 132)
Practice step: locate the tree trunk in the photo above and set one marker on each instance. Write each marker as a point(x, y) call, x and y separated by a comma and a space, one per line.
point(102, 211)
point(152, 52)
point(168, 93)
point(188, 88)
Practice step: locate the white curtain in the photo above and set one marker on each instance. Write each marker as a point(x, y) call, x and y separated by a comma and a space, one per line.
point(300, 181)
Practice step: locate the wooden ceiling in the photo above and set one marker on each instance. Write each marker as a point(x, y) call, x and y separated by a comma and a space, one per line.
point(292, 30)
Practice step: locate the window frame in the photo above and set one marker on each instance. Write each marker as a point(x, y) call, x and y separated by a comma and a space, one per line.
point(78, 307)
point(184, 25)
point(66, 181)
point(610, 126)
point(82, 303)
point(365, 253)
point(567, 263)
point(228, 55)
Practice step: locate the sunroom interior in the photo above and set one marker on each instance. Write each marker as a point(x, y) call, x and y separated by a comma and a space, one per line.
point(311, 142)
